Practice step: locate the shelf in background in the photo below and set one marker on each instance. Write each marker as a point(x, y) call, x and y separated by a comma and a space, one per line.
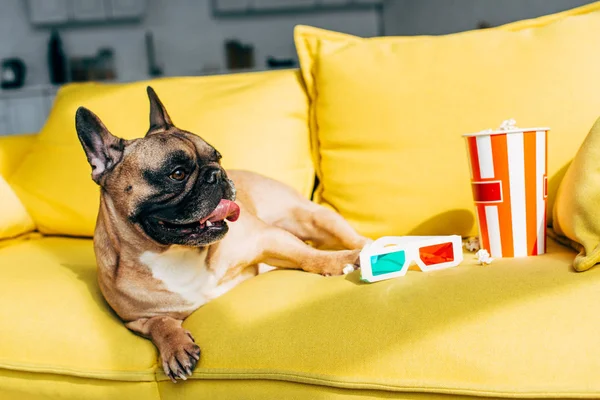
point(242, 8)
point(74, 12)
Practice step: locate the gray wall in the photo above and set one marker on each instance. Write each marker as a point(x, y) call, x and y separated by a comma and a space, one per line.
point(434, 17)
point(188, 39)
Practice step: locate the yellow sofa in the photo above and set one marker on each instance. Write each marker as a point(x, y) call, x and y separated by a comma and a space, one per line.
point(518, 328)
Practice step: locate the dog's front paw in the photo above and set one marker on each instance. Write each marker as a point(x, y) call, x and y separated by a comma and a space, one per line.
point(335, 263)
point(179, 358)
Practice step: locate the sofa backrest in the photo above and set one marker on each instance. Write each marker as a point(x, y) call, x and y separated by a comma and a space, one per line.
point(258, 121)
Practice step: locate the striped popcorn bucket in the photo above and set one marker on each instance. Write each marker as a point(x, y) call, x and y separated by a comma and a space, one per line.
point(510, 186)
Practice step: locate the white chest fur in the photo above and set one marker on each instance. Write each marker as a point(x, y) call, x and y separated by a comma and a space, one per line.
point(183, 271)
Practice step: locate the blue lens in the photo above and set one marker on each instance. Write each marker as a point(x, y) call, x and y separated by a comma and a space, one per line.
point(387, 263)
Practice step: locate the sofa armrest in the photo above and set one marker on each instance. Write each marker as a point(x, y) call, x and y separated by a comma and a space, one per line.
point(12, 150)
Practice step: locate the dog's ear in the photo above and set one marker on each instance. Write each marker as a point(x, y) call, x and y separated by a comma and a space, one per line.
point(103, 150)
point(159, 118)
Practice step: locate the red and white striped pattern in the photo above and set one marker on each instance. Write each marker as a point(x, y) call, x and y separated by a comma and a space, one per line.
point(510, 186)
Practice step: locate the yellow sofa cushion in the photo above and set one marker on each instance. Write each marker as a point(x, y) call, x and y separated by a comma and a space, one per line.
point(258, 121)
point(20, 385)
point(14, 218)
point(576, 210)
point(13, 149)
point(55, 320)
point(500, 331)
point(388, 113)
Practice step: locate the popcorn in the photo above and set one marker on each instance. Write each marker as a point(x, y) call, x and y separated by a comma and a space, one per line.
point(348, 268)
point(508, 125)
point(472, 244)
point(484, 257)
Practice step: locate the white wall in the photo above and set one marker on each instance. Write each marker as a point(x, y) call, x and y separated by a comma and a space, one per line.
point(187, 37)
point(434, 17)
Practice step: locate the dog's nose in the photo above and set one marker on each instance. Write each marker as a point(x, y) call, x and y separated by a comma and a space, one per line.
point(213, 176)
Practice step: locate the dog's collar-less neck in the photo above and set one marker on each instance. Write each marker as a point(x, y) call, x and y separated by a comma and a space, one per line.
point(125, 235)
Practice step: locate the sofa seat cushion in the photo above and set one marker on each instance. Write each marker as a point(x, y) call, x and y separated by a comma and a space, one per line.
point(516, 328)
point(55, 320)
point(21, 385)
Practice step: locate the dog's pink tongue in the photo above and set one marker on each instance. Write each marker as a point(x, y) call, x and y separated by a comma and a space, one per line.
point(225, 210)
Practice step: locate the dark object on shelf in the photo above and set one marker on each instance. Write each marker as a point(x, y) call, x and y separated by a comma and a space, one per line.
point(99, 68)
point(153, 69)
point(105, 64)
point(81, 67)
point(57, 61)
point(273, 62)
point(13, 73)
point(239, 55)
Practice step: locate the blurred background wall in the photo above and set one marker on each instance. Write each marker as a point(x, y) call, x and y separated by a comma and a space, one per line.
point(45, 43)
point(188, 38)
point(436, 17)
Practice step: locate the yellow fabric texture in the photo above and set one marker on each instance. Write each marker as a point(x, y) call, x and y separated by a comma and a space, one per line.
point(576, 211)
point(472, 330)
point(258, 121)
point(14, 218)
point(12, 150)
point(55, 320)
point(273, 389)
point(19, 385)
point(387, 114)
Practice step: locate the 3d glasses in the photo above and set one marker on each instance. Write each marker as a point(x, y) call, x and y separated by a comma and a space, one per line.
point(391, 256)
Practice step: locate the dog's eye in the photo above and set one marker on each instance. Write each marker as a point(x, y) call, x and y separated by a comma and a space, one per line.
point(178, 175)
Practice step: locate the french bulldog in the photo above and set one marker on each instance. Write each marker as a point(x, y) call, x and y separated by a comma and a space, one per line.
point(176, 230)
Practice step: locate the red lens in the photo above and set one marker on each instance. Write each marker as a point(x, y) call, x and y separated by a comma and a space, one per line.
point(437, 253)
